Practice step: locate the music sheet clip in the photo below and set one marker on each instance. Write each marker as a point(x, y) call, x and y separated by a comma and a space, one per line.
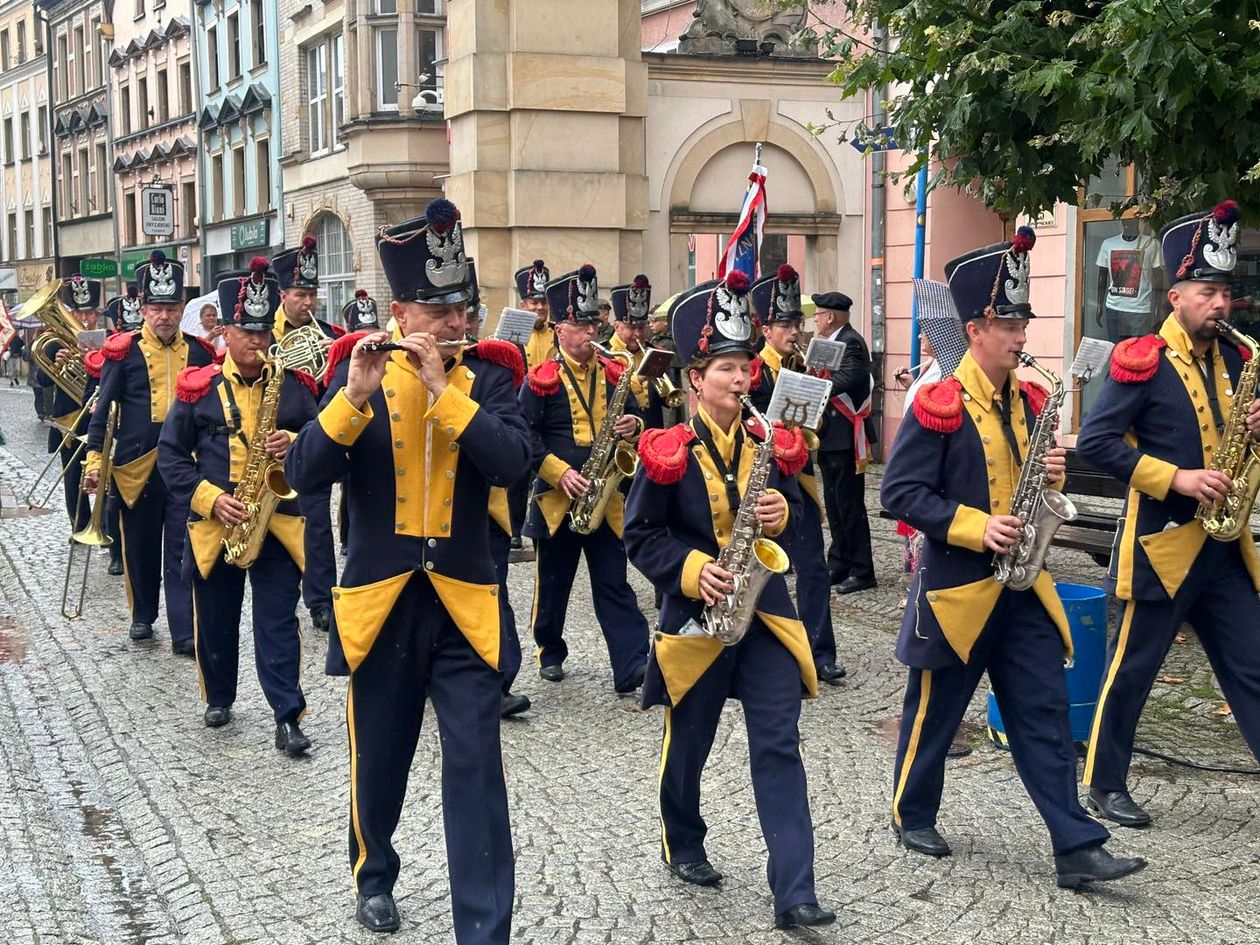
point(656, 362)
point(515, 325)
point(1091, 358)
point(824, 355)
point(799, 399)
point(91, 340)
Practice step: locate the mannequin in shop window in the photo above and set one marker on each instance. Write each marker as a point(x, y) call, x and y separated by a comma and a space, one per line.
point(1130, 282)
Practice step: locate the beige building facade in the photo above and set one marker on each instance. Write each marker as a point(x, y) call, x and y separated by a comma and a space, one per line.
point(26, 205)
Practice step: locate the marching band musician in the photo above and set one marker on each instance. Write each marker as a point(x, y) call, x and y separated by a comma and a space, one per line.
point(82, 297)
point(565, 402)
point(139, 374)
point(124, 313)
point(630, 305)
point(952, 473)
point(361, 313)
point(776, 300)
point(419, 435)
point(297, 272)
point(681, 509)
point(207, 445)
point(1158, 424)
point(531, 289)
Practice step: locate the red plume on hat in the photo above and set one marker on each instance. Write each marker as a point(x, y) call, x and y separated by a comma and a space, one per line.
point(641, 281)
point(259, 265)
point(361, 294)
point(737, 281)
point(441, 215)
point(786, 273)
point(1023, 240)
point(587, 272)
point(308, 242)
point(1226, 212)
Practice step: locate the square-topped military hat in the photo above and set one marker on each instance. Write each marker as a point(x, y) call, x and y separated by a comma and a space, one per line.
point(298, 268)
point(160, 280)
point(713, 318)
point(361, 312)
point(994, 281)
point(632, 302)
point(1203, 246)
point(80, 295)
point(424, 259)
point(777, 298)
point(574, 297)
point(249, 300)
point(531, 281)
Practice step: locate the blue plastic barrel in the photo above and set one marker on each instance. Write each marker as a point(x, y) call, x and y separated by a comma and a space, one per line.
point(1086, 609)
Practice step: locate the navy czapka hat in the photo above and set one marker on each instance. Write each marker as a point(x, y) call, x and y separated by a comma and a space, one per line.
point(531, 281)
point(424, 259)
point(160, 281)
point(80, 295)
point(298, 268)
point(1202, 247)
point(632, 302)
point(713, 318)
point(124, 310)
point(993, 281)
point(574, 297)
point(361, 312)
point(777, 298)
point(249, 300)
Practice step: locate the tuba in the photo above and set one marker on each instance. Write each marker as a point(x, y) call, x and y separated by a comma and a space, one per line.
point(1227, 517)
point(93, 534)
point(63, 329)
point(749, 557)
point(1041, 510)
point(611, 459)
point(263, 485)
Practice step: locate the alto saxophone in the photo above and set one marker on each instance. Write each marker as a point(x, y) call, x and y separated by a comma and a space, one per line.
point(263, 485)
point(1042, 510)
point(611, 459)
point(1226, 518)
point(750, 558)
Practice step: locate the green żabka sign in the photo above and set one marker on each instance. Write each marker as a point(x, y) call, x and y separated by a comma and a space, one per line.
point(97, 268)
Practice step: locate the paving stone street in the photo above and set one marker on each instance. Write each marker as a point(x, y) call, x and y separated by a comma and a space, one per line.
point(123, 820)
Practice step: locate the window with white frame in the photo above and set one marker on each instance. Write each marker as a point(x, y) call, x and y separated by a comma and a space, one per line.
point(337, 86)
point(429, 40)
point(258, 25)
point(262, 172)
point(387, 69)
point(336, 265)
point(317, 97)
point(386, 6)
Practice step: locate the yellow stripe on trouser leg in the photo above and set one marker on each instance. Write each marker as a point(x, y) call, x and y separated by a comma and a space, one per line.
point(354, 784)
point(1122, 642)
point(912, 747)
point(201, 680)
point(533, 614)
point(660, 780)
point(122, 537)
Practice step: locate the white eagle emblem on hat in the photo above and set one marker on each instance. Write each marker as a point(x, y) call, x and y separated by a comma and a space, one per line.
point(81, 292)
point(730, 315)
point(257, 302)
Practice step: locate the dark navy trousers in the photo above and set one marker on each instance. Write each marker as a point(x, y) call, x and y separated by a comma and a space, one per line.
point(321, 557)
point(274, 578)
point(420, 654)
point(509, 639)
point(153, 534)
point(813, 583)
point(760, 673)
point(1219, 600)
point(616, 608)
point(1023, 653)
point(78, 505)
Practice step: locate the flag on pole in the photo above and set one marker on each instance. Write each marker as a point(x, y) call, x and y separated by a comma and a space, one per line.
point(743, 249)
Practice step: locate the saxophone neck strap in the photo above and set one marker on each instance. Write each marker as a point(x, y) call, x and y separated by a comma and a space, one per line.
point(234, 425)
point(730, 475)
point(1208, 366)
point(1007, 429)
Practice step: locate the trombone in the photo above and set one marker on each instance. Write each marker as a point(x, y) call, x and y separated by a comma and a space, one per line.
point(76, 456)
point(92, 535)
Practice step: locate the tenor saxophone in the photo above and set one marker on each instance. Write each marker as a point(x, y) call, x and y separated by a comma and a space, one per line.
point(1227, 517)
point(1041, 510)
point(263, 485)
point(611, 459)
point(750, 558)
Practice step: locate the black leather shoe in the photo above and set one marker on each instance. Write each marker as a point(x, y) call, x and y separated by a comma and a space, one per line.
point(633, 681)
point(1080, 868)
point(217, 716)
point(925, 840)
point(698, 873)
point(141, 631)
point(516, 544)
point(804, 915)
point(292, 740)
point(183, 648)
point(377, 913)
point(831, 673)
point(1118, 807)
point(513, 704)
point(321, 618)
point(851, 585)
point(552, 673)
point(837, 577)
point(115, 567)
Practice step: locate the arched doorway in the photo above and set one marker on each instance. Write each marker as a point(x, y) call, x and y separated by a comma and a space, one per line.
point(336, 264)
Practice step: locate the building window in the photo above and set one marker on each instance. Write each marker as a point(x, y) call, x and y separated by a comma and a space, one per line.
point(48, 229)
point(216, 187)
point(429, 7)
point(28, 143)
point(163, 97)
point(103, 179)
point(21, 42)
point(139, 9)
point(8, 141)
point(142, 103)
point(63, 67)
point(80, 54)
point(430, 51)
point(96, 70)
point(28, 217)
point(212, 58)
point(42, 130)
point(67, 184)
point(336, 265)
point(257, 19)
point(5, 62)
point(238, 181)
point(130, 230)
point(12, 230)
point(85, 184)
point(262, 172)
point(317, 96)
point(387, 69)
point(386, 6)
point(124, 107)
point(188, 209)
point(337, 73)
point(234, 46)
point(39, 49)
point(185, 88)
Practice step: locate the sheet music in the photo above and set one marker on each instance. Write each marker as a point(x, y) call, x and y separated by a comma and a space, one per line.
point(515, 325)
point(655, 362)
point(91, 340)
point(799, 399)
point(1091, 358)
point(823, 355)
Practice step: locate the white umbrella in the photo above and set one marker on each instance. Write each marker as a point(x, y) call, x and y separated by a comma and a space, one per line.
point(191, 321)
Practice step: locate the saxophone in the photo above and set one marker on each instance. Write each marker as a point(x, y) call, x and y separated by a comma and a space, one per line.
point(1227, 517)
point(611, 459)
point(750, 558)
point(263, 485)
point(1041, 510)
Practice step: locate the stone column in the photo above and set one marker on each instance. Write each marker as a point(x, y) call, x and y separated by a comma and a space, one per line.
point(546, 113)
point(407, 55)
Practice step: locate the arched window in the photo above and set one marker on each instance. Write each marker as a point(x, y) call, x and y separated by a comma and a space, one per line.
point(336, 265)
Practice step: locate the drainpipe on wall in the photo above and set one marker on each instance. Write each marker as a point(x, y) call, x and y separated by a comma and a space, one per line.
point(201, 173)
point(107, 32)
point(879, 202)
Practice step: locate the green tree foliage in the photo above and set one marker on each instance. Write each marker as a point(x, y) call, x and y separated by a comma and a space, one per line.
point(1021, 102)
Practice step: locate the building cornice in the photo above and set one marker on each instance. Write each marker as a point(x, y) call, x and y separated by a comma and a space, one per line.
point(762, 70)
point(26, 70)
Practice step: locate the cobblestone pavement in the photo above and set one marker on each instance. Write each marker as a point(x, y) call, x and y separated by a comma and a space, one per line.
point(124, 821)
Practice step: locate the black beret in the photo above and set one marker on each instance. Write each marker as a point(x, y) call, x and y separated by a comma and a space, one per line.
point(833, 300)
